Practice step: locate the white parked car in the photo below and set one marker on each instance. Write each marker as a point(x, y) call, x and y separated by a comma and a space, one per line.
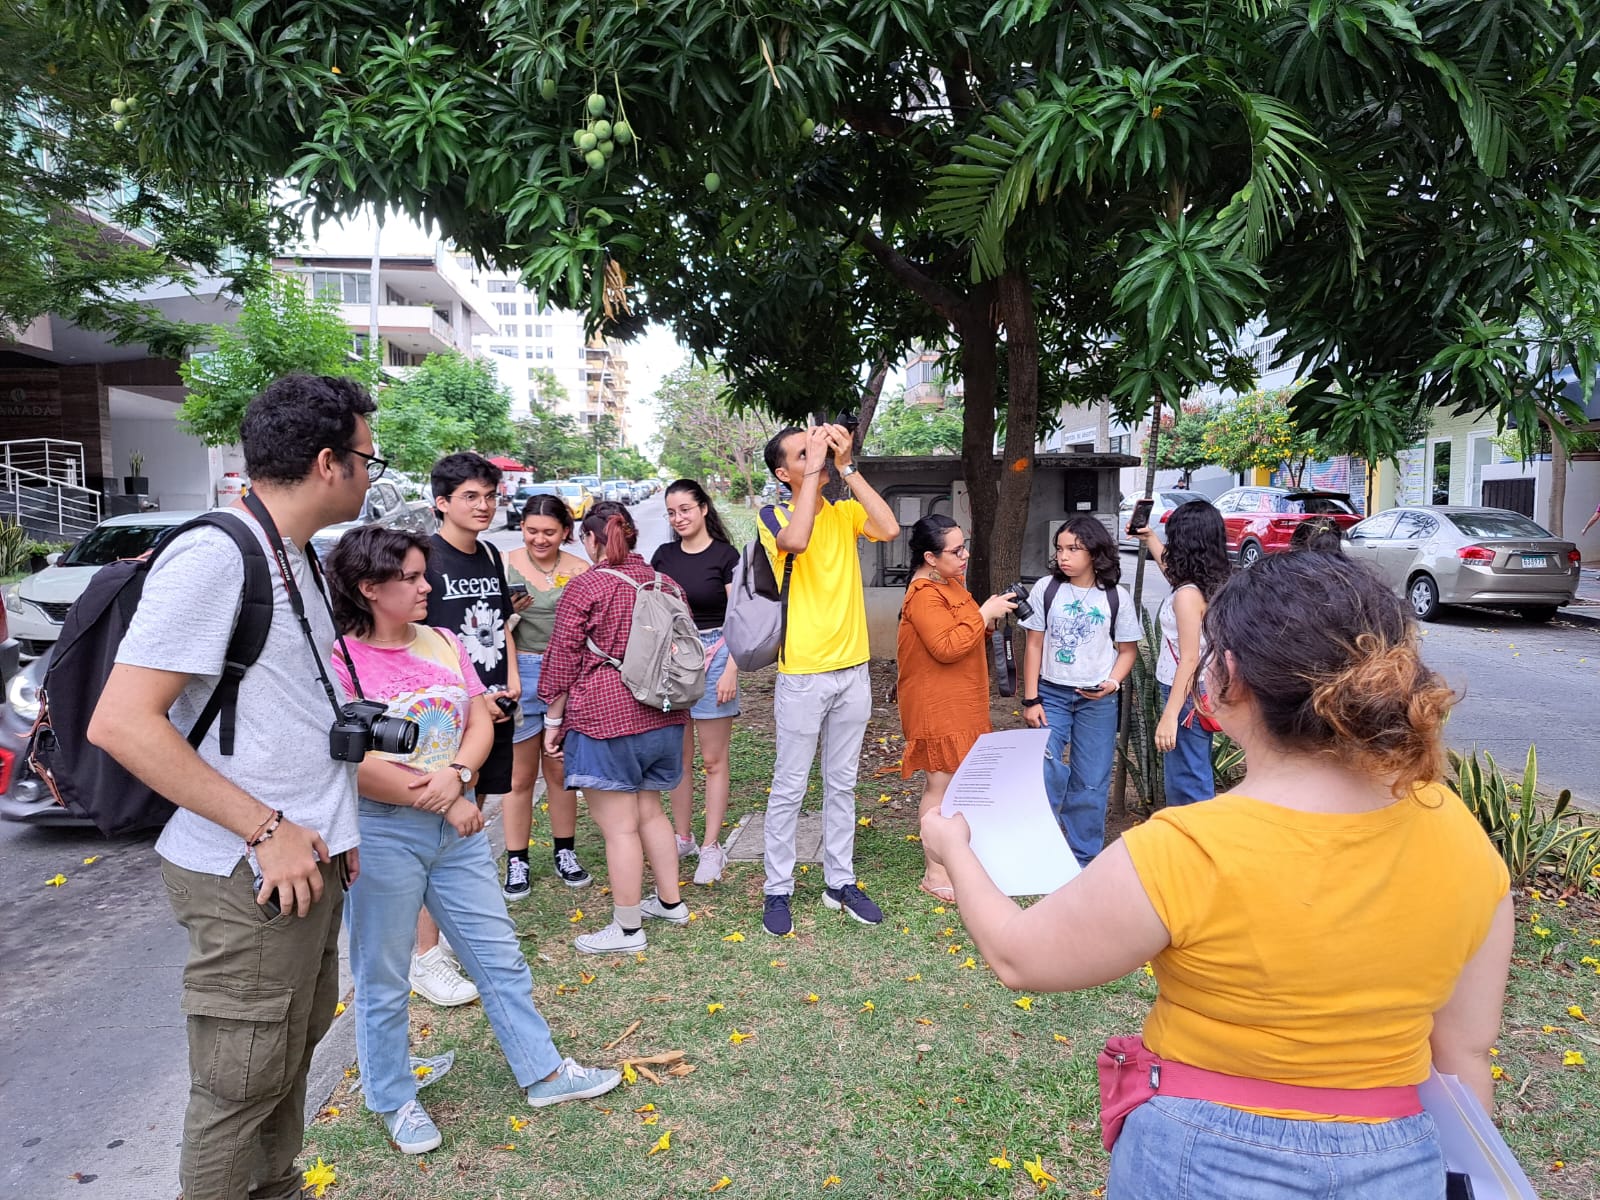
point(37, 606)
point(1166, 500)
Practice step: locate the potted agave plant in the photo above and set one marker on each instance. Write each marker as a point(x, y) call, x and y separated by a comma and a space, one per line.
point(135, 484)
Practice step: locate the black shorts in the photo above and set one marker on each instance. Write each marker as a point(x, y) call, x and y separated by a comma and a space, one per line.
point(495, 777)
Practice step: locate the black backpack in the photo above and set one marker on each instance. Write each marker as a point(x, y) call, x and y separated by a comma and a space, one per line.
point(85, 779)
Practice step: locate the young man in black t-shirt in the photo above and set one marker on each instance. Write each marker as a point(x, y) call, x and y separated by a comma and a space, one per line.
point(471, 600)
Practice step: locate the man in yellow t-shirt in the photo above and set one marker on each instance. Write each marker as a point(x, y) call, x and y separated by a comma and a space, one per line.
point(823, 690)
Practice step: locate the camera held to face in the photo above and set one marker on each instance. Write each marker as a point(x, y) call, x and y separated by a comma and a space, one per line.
point(1019, 593)
point(363, 726)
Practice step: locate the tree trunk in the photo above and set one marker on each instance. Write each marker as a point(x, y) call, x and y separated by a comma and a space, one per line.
point(975, 327)
point(1558, 483)
point(870, 396)
point(1010, 526)
point(1119, 779)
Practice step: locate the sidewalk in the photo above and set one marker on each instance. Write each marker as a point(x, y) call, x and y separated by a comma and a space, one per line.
point(1585, 606)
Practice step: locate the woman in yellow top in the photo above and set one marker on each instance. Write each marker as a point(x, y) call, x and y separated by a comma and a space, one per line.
point(1336, 924)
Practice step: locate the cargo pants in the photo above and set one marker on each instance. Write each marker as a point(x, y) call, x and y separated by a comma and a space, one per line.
point(258, 994)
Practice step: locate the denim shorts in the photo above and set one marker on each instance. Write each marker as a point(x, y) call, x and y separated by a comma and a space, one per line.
point(533, 708)
point(1173, 1149)
point(636, 762)
point(706, 708)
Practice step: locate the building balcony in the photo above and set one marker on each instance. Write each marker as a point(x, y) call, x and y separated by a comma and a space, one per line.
point(414, 328)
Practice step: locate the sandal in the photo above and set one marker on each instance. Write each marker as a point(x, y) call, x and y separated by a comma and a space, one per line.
point(944, 894)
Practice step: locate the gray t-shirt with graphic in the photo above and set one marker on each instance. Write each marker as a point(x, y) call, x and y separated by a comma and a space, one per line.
point(184, 621)
point(1079, 649)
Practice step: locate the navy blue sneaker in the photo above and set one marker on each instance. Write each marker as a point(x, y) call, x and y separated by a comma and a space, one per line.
point(855, 902)
point(775, 918)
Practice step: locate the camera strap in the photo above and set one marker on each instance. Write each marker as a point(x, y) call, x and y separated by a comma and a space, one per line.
point(1005, 662)
point(259, 511)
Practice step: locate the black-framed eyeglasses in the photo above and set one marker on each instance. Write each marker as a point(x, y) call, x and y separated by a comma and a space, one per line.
point(375, 466)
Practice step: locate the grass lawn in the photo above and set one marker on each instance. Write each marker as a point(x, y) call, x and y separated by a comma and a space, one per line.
point(880, 1062)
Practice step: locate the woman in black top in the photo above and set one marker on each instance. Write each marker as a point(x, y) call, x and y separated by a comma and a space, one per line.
point(700, 559)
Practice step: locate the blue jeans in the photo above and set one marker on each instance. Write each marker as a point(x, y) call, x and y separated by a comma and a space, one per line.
point(1077, 787)
point(651, 761)
point(410, 858)
point(1187, 766)
point(1173, 1149)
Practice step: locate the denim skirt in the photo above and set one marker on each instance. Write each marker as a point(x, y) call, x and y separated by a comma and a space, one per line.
point(706, 708)
point(533, 708)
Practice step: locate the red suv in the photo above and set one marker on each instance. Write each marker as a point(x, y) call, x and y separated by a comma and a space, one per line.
point(1267, 520)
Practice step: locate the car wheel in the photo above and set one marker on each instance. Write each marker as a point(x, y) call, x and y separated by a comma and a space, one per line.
point(1538, 614)
point(1423, 593)
point(1249, 554)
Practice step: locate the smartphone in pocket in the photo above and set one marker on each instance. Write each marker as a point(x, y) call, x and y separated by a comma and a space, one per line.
point(272, 908)
point(1140, 520)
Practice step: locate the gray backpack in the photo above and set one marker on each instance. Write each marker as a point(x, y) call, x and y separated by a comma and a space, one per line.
point(664, 664)
point(757, 622)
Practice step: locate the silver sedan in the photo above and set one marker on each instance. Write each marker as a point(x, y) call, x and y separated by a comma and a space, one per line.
point(1452, 554)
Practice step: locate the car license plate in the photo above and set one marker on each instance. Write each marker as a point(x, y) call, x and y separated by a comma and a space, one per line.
point(1535, 560)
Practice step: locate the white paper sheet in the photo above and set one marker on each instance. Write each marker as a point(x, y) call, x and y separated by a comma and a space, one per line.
point(999, 788)
point(1470, 1142)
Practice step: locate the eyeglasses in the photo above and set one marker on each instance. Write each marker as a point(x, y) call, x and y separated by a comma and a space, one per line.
point(375, 466)
point(962, 551)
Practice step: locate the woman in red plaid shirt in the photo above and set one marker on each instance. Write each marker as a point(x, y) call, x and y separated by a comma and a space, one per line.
point(621, 753)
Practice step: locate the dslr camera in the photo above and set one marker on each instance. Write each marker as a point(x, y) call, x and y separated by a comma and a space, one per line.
point(363, 726)
point(1019, 593)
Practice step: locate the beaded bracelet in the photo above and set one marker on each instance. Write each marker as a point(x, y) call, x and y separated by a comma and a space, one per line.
point(265, 830)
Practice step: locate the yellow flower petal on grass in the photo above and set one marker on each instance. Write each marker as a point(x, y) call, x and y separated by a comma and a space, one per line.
point(1025, 1003)
point(1036, 1172)
point(911, 837)
point(629, 1075)
point(1576, 1011)
point(869, 1007)
point(1496, 1071)
point(319, 1176)
point(811, 998)
point(735, 936)
point(777, 962)
point(1541, 931)
point(970, 964)
point(664, 1142)
point(736, 1037)
point(645, 1108)
point(831, 1180)
point(518, 1124)
point(1065, 1041)
point(713, 1008)
point(577, 915)
point(864, 822)
point(883, 798)
point(1149, 970)
point(720, 1184)
point(952, 949)
point(652, 1118)
point(1572, 1058)
point(1001, 1162)
point(55, 880)
point(917, 978)
point(422, 1070)
point(938, 910)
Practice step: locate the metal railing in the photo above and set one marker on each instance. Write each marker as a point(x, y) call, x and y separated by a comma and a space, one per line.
point(42, 481)
point(53, 458)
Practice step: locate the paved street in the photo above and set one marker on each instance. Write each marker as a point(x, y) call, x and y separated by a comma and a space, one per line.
point(93, 1074)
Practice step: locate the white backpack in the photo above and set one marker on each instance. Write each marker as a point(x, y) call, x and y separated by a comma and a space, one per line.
point(664, 664)
point(757, 621)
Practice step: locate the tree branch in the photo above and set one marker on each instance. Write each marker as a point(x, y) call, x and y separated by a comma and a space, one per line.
point(913, 277)
point(893, 127)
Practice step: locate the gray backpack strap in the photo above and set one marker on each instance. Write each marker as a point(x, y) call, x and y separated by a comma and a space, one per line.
point(636, 586)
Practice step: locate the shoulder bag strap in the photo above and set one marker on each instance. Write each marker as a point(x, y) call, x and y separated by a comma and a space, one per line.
point(637, 587)
point(783, 606)
point(249, 634)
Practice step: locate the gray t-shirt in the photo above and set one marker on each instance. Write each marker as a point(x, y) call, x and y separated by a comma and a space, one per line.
point(184, 621)
point(1079, 648)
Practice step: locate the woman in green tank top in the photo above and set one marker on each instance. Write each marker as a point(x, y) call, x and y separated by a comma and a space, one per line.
point(542, 567)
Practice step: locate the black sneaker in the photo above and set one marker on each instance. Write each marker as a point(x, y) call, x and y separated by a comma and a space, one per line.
point(571, 870)
point(855, 902)
point(516, 884)
point(775, 918)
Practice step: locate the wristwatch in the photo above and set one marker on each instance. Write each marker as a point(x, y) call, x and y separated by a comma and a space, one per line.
point(1034, 703)
point(463, 773)
point(848, 470)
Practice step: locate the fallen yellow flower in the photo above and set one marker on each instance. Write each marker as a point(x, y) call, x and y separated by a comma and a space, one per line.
point(736, 1037)
point(883, 798)
point(319, 1176)
point(969, 965)
point(1496, 1071)
point(422, 1070)
point(938, 910)
point(830, 1181)
point(652, 1118)
point(518, 1124)
point(1001, 1163)
point(811, 998)
point(1576, 1010)
point(924, 1021)
point(664, 1142)
point(639, 957)
point(911, 837)
point(949, 931)
point(1149, 970)
point(1541, 931)
point(1572, 1058)
point(629, 1075)
point(585, 977)
point(55, 880)
point(864, 822)
point(1065, 1041)
point(952, 949)
point(91, 860)
point(713, 1008)
point(917, 978)
point(868, 1007)
point(735, 936)
point(577, 915)
point(719, 1184)
point(330, 1112)
point(1547, 1029)
point(645, 1108)
point(1036, 1172)
point(777, 962)
point(1025, 1003)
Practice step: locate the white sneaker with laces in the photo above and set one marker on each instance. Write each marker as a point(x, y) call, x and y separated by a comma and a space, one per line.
point(713, 859)
point(411, 1129)
point(610, 940)
point(687, 847)
point(435, 979)
point(652, 907)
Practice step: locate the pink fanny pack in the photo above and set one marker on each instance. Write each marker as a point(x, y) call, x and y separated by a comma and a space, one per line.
point(1130, 1074)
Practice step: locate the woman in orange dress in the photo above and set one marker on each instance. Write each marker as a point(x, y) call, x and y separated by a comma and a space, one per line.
point(944, 672)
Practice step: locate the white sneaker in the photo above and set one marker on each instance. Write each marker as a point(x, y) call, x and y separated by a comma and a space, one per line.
point(713, 859)
point(610, 940)
point(436, 980)
point(687, 846)
point(651, 906)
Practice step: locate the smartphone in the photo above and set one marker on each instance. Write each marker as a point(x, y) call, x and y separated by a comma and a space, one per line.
point(1140, 521)
point(519, 589)
point(272, 908)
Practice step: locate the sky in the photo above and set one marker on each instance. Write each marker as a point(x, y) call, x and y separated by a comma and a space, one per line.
point(650, 357)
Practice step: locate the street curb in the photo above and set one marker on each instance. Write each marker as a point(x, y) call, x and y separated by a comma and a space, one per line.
point(1586, 616)
point(337, 1050)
